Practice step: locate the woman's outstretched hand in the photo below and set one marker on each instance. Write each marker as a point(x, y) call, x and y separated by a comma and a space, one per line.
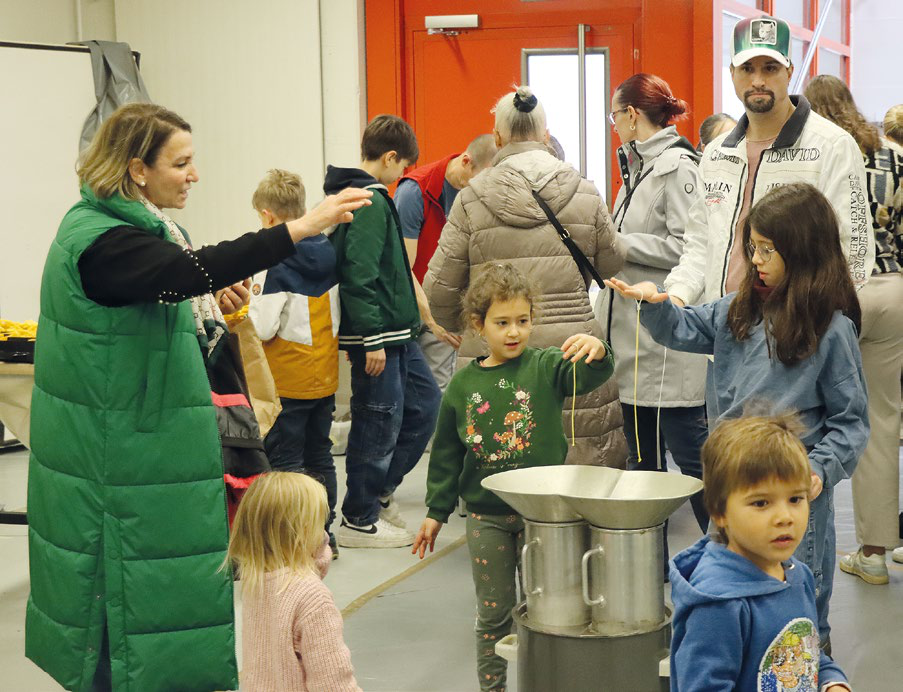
point(332, 210)
point(581, 345)
point(645, 290)
point(426, 536)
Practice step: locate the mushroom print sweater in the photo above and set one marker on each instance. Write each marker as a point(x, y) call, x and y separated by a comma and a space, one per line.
point(500, 418)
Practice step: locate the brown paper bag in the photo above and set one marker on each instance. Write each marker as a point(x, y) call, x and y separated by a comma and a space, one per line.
point(261, 386)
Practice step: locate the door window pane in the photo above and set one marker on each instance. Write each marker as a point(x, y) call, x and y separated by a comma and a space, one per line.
point(798, 51)
point(834, 24)
point(797, 54)
point(793, 11)
point(831, 63)
point(554, 79)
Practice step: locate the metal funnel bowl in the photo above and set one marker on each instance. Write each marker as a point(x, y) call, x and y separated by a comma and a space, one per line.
point(538, 494)
point(637, 499)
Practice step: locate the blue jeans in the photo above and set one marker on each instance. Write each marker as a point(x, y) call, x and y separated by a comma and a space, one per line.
point(299, 441)
point(817, 550)
point(684, 431)
point(711, 396)
point(393, 417)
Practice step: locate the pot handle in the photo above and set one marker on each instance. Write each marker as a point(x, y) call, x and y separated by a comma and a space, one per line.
point(584, 565)
point(506, 647)
point(528, 572)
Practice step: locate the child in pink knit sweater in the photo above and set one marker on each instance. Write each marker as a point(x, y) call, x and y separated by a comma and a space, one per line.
point(291, 628)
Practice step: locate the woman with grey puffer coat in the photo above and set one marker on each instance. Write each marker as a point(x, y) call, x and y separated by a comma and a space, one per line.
point(496, 219)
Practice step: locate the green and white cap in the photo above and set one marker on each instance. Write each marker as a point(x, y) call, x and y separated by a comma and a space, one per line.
point(761, 36)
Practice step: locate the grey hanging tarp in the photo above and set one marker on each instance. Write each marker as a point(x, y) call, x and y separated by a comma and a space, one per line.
point(116, 82)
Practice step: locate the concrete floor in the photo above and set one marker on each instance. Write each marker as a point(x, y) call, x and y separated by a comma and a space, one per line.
point(409, 624)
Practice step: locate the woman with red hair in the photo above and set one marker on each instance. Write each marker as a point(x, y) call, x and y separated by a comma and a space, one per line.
point(663, 399)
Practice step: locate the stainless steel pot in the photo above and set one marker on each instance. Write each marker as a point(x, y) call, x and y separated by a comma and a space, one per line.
point(622, 575)
point(550, 561)
point(581, 661)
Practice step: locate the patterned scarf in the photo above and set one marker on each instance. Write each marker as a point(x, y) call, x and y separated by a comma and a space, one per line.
point(210, 325)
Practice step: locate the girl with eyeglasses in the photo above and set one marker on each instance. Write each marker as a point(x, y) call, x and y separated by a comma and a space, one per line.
point(786, 340)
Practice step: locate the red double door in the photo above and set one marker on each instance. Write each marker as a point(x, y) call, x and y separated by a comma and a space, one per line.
point(445, 85)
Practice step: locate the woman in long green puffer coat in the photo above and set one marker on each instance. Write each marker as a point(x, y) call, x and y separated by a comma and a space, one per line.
point(126, 505)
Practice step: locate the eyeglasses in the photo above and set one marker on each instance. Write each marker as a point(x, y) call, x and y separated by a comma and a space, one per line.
point(611, 116)
point(764, 252)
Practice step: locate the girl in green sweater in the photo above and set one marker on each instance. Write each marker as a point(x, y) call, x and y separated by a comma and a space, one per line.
point(501, 412)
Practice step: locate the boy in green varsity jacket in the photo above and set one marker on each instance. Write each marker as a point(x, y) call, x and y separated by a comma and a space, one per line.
point(501, 412)
point(394, 398)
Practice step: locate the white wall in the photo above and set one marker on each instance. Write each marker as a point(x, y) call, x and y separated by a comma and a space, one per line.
point(56, 21)
point(277, 83)
point(250, 78)
point(876, 79)
point(344, 58)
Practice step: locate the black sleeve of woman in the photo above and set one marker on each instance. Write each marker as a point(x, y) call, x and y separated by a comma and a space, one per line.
point(126, 265)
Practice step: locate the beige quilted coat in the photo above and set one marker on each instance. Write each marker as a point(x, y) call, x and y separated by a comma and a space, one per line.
point(496, 219)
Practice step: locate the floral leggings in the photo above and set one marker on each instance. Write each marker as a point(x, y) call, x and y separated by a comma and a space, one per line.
point(494, 542)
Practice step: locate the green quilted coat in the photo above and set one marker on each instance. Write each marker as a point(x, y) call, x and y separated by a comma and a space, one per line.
point(126, 502)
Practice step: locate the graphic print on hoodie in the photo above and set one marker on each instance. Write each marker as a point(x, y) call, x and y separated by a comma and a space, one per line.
point(737, 628)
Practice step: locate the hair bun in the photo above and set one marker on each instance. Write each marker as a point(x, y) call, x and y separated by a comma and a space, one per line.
point(524, 102)
point(676, 106)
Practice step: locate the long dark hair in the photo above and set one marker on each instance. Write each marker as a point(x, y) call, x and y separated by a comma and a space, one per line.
point(802, 225)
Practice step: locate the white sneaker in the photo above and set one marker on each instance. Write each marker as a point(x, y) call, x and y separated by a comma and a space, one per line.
point(379, 535)
point(338, 435)
point(389, 512)
point(871, 569)
point(897, 555)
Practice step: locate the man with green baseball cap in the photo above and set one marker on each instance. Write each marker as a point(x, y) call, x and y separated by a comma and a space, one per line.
point(779, 140)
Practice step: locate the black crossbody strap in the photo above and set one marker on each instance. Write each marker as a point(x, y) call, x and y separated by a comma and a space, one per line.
point(626, 203)
point(681, 143)
point(579, 258)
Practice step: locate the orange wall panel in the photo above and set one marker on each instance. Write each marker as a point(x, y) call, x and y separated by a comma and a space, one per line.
point(384, 33)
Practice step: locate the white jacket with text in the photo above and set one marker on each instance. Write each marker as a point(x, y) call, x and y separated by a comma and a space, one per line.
point(808, 149)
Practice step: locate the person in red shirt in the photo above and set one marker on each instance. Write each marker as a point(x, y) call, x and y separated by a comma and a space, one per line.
point(424, 198)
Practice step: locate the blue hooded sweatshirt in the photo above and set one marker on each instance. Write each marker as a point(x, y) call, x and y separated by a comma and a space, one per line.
point(297, 317)
point(827, 388)
point(737, 628)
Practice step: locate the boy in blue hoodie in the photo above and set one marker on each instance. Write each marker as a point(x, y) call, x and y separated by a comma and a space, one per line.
point(296, 315)
point(744, 607)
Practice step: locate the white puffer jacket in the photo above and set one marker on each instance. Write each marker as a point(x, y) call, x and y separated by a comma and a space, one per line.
point(808, 149)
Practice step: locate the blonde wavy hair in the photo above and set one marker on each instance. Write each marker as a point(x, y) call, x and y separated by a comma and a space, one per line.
point(893, 124)
point(134, 131)
point(279, 525)
point(282, 194)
